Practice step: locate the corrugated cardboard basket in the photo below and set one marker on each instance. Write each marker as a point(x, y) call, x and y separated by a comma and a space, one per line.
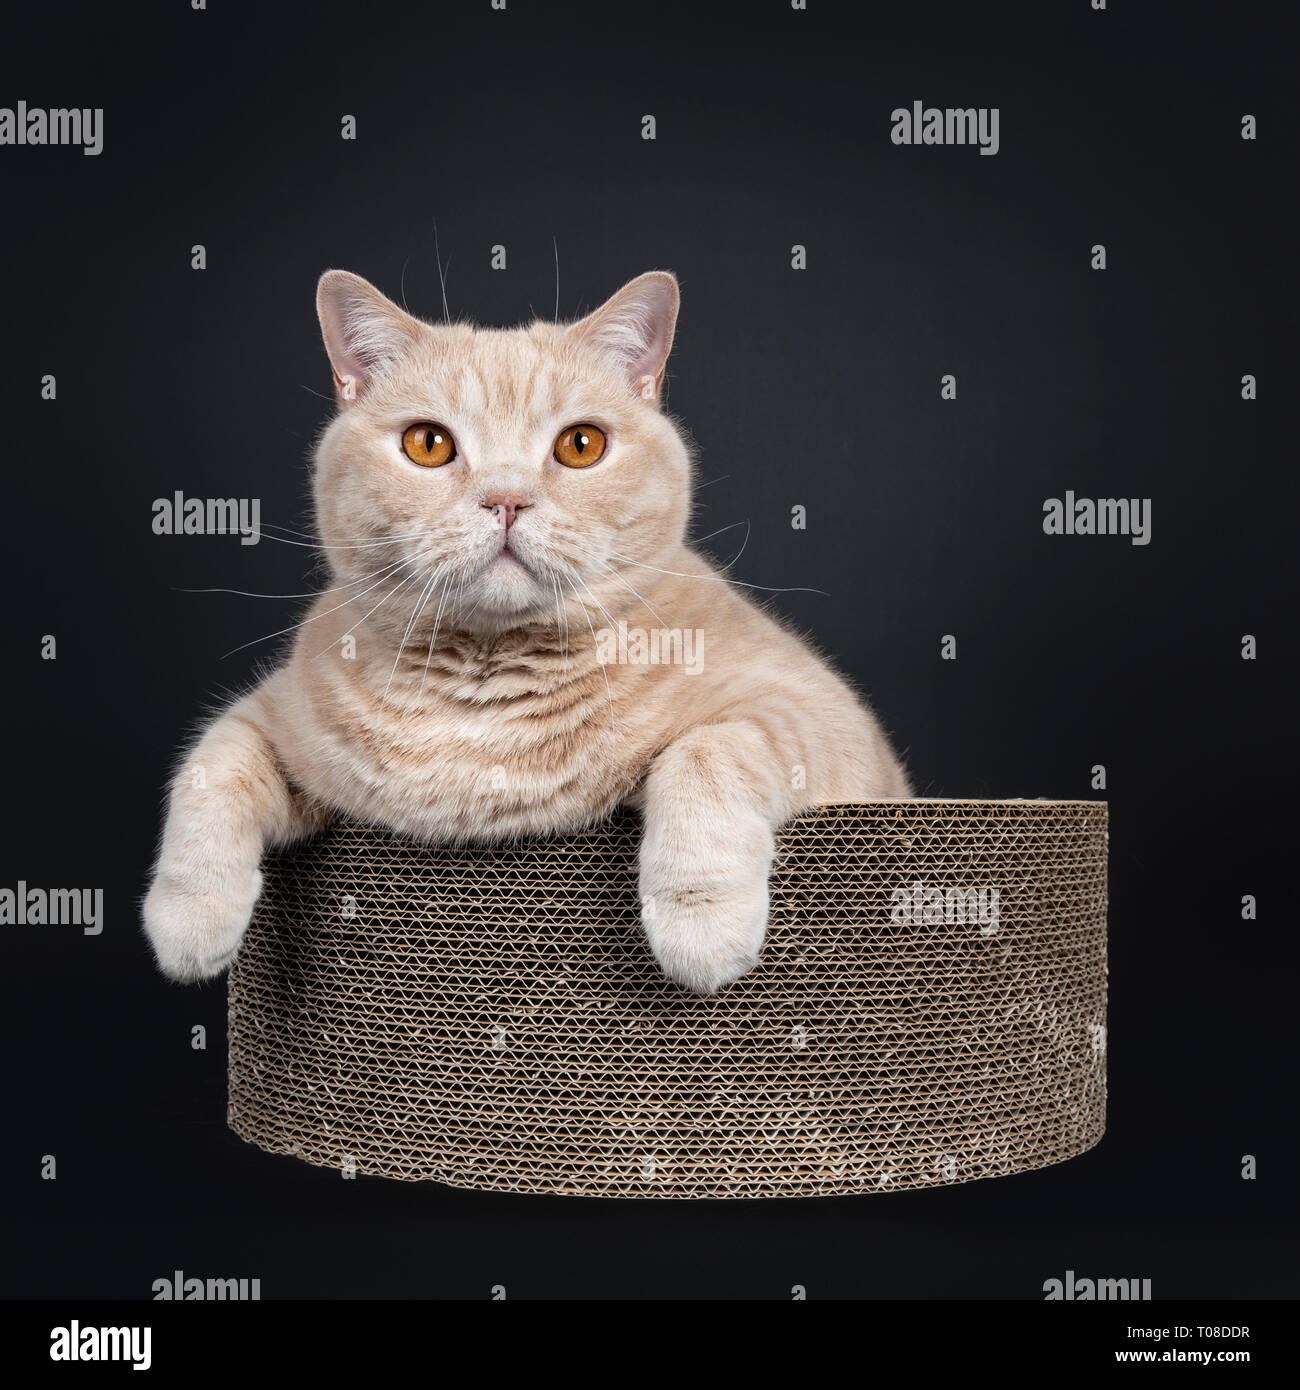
point(930, 1007)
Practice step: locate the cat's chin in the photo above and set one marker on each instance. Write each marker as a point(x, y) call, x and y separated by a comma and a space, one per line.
point(507, 562)
point(507, 589)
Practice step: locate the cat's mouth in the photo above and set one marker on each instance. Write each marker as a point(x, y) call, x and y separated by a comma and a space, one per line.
point(508, 559)
point(508, 582)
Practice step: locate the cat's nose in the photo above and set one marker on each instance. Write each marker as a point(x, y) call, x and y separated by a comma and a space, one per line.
point(504, 506)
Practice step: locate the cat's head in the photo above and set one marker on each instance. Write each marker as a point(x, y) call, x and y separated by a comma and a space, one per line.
point(498, 473)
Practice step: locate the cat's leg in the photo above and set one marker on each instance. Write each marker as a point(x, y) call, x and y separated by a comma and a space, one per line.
point(228, 801)
point(713, 802)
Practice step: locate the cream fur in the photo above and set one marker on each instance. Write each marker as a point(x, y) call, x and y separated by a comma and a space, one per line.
point(474, 707)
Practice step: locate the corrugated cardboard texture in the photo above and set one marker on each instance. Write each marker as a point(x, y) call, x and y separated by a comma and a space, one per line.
point(492, 1018)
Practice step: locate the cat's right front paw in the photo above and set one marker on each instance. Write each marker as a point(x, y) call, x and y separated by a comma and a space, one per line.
point(706, 938)
point(195, 929)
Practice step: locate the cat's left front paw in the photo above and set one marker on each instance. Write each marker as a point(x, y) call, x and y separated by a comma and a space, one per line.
point(706, 938)
point(195, 926)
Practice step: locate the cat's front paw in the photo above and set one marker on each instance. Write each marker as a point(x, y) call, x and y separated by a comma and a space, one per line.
point(707, 937)
point(195, 928)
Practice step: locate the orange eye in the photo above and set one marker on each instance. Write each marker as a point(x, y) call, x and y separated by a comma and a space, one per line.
point(429, 445)
point(580, 446)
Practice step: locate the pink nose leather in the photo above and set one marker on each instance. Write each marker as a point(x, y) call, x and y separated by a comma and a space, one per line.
point(505, 505)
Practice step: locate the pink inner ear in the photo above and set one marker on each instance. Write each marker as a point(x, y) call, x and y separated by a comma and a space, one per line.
point(362, 329)
point(635, 329)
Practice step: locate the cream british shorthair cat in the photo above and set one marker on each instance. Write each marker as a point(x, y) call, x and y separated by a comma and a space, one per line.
point(516, 640)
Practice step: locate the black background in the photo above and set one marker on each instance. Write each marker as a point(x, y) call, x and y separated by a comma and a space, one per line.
point(818, 388)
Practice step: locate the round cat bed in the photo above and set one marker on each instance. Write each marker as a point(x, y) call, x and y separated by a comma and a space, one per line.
point(930, 1007)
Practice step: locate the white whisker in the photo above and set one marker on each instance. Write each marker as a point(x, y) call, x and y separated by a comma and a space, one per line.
point(391, 593)
point(338, 540)
point(267, 534)
point(596, 647)
point(741, 551)
point(719, 578)
point(416, 609)
point(311, 593)
point(601, 606)
point(561, 617)
point(293, 627)
point(614, 574)
point(442, 274)
point(437, 620)
point(731, 526)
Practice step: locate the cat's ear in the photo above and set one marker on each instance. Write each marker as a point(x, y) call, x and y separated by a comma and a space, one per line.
point(362, 330)
point(635, 328)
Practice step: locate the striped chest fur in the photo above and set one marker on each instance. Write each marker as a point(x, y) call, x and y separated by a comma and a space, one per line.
point(479, 740)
